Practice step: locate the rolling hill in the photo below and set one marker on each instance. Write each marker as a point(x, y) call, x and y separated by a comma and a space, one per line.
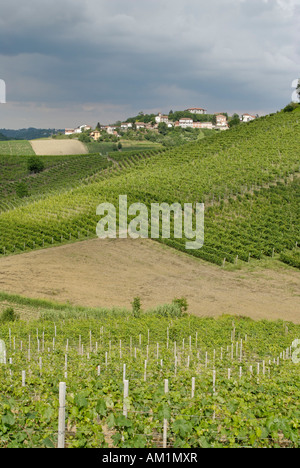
point(247, 177)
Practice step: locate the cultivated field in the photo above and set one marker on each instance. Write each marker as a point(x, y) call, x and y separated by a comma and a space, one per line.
point(58, 147)
point(106, 273)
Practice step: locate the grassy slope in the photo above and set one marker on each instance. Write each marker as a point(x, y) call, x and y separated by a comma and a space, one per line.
point(232, 164)
point(127, 145)
point(16, 148)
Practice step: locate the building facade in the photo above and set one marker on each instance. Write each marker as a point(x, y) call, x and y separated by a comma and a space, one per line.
point(196, 110)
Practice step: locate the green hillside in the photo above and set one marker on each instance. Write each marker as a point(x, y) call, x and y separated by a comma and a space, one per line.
point(247, 177)
point(18, 185)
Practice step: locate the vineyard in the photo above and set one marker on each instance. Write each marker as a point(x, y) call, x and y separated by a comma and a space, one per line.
point(156, 379)
point(263, 223)
point(86, 378)
point(61, 173)
point(247, 177)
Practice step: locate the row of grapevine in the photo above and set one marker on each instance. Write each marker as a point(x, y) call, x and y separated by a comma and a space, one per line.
point(60, 174)
point(291, 258)
point(231, 382)
point(260, 224)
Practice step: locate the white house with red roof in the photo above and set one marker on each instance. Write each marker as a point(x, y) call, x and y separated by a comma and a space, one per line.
point(221, 121)
point(126, 126)
point(248, 117)
point(161, 119)
point(82, 128)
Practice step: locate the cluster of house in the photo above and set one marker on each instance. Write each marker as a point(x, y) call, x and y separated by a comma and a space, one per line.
point(185, 122)
point(82, 128)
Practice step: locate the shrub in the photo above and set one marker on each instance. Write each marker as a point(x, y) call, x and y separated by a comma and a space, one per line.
point(290, 107)
point(136, 307)
point(84, 138)
point(9, 315)
point(182, 304)
point(167, 310)
point(35, 165)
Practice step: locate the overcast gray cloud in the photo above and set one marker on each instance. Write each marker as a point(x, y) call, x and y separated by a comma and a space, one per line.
point(72, 61)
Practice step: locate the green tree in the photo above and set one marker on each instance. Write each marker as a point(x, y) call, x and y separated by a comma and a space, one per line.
point(84, 138)
point(35, 165)
point(290, 107)
point(298, 89)
point(235, 120)
point(163, 128)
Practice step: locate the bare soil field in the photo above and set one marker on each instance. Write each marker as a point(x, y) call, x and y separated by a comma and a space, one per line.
point(58, 147)
point(107, 273)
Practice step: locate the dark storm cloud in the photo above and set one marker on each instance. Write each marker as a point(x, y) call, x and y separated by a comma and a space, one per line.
point(112, 57)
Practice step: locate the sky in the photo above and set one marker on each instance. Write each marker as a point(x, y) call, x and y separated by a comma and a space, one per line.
point(72, 62)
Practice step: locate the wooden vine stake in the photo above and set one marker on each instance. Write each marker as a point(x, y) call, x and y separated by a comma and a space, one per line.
point(193, 387)
point(61, 415)
point(23, 378)
point(165, 420)
point(214, 381)
point(126, 391)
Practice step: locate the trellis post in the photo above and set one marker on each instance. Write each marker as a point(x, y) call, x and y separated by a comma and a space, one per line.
point(61, 415)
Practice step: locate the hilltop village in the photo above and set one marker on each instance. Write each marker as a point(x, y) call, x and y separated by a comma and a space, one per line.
point(191, 118)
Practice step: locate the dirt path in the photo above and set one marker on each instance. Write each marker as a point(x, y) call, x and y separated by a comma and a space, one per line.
point(58, 147)
point(112, 272)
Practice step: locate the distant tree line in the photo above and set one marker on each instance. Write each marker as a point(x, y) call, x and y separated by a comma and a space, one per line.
point(30, 133)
